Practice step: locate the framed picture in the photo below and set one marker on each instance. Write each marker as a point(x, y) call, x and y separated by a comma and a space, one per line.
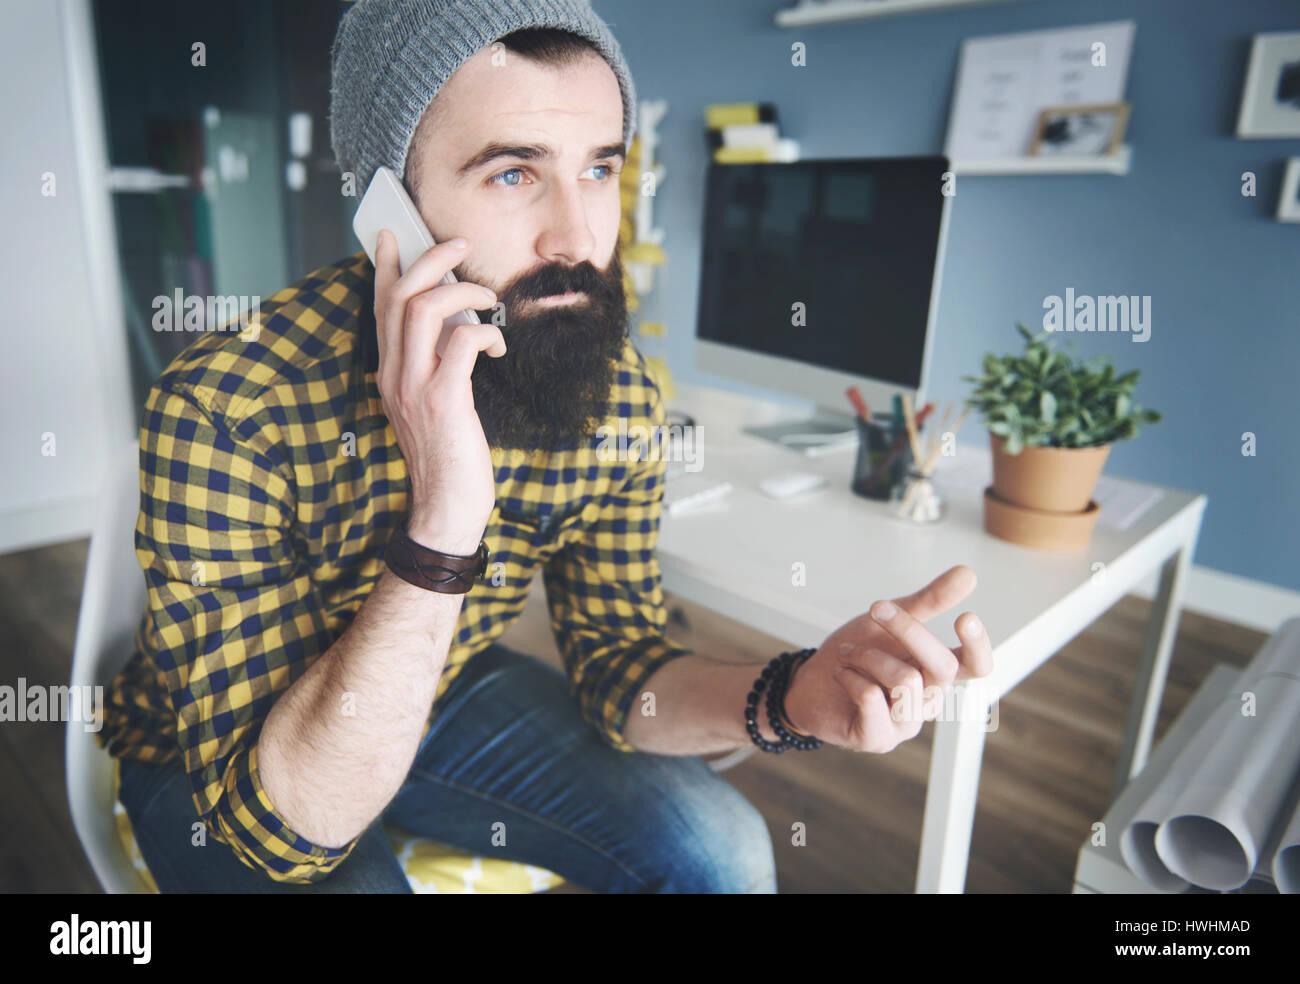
point(1003, 82)
point(1288, 206)
point(1096, 130)
point(1270, 99)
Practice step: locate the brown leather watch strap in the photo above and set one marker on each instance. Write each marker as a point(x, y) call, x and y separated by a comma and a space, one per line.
point(431, 569)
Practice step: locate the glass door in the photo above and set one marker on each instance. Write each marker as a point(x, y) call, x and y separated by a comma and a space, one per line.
point(224, 183)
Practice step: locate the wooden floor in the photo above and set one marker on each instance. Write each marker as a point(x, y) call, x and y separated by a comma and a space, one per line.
point(1046, 772)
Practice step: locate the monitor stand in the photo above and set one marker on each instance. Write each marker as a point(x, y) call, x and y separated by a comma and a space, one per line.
point(825, 431)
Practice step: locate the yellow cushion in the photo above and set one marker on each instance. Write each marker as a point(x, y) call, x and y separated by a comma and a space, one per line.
point(430, 867)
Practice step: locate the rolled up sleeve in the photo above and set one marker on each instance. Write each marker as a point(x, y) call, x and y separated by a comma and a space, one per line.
point(606, 602)
point(234, 617)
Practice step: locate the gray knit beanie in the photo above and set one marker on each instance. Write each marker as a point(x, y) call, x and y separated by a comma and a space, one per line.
point(390, 58)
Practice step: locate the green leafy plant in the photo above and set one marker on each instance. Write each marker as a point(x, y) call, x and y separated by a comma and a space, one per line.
point(1041, 397)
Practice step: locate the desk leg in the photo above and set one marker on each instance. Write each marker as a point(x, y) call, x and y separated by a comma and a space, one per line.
point(952, 792)
point(1157, 648)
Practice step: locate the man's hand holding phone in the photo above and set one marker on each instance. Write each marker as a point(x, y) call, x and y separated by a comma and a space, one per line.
point(424, 380)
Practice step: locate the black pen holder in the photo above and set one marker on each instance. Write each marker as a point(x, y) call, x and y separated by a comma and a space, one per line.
point(884, 455)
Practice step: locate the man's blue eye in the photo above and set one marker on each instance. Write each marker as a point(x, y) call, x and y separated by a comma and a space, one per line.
point(508, 184)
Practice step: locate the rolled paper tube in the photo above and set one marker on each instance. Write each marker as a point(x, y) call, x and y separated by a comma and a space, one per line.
point(1208, 819)
point(1285, 864)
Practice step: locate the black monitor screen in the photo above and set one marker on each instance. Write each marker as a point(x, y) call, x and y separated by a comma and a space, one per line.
point(854, 241)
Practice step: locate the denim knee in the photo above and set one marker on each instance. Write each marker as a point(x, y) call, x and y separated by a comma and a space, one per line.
point(720, 845)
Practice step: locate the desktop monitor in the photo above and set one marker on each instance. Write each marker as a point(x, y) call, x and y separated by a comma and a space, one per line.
point(818, 275)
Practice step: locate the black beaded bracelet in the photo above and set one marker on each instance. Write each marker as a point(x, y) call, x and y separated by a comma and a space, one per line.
point(774, 679)
point(776, 705)
point(751, 710)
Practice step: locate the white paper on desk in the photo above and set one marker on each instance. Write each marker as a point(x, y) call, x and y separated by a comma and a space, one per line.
point(1122, 504)
point(1004, 82)
point(1208, 821)
point(965, 472)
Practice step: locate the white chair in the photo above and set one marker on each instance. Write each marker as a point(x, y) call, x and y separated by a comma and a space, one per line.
point(112, 600)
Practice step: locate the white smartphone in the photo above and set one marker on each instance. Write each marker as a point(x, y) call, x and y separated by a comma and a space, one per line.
point(386, 205)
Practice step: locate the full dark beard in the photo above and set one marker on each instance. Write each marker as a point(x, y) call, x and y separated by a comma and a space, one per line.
point(551, 389)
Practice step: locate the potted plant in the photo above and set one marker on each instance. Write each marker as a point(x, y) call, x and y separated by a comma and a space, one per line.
point(1051, 424)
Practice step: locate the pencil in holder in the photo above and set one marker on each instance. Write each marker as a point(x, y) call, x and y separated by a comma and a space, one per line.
point(883, 458)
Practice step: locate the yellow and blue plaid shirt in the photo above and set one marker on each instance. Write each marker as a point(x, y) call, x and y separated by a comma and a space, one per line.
point(270, 480)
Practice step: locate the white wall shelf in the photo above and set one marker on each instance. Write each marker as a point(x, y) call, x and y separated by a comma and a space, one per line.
point(1116, 163)
point(834, 11)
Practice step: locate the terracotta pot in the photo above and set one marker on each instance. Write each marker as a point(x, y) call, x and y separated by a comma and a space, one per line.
point(1037, 527)
point(1047, 479)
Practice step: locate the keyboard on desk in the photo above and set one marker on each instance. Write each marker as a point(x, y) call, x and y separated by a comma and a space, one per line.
point(685, 491)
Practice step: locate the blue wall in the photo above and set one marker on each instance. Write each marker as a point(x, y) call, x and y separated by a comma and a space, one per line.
point(1224, 277)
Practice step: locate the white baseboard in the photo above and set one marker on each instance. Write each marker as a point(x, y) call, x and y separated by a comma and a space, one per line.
point(1243, 600)
point(46, 524)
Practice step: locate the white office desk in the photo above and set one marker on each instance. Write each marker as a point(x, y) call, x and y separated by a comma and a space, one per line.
point(741, 559)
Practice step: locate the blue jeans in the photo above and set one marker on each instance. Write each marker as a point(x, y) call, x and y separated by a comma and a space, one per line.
point(508, 746)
